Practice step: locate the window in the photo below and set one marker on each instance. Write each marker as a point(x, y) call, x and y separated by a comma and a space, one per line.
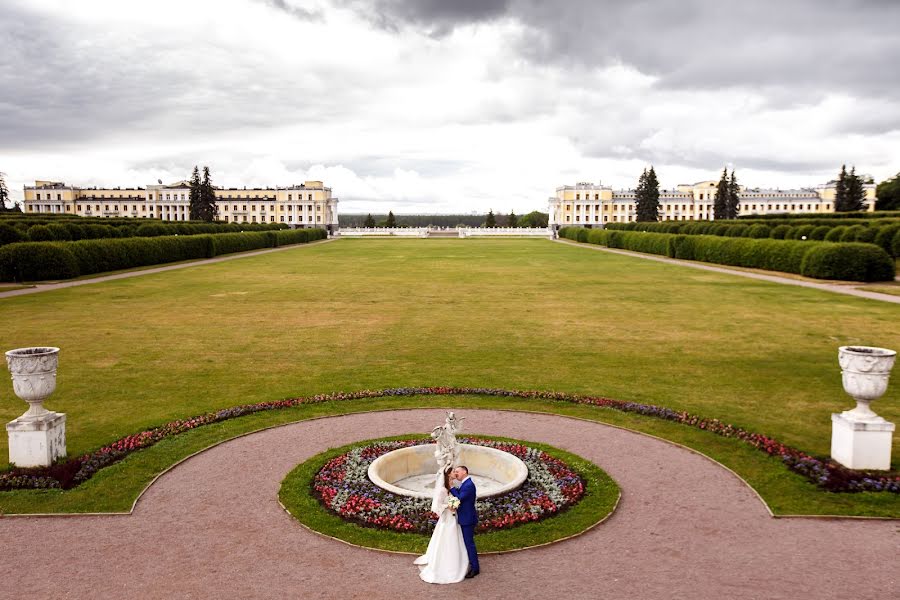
point(289, 197)
point(282, 218)
point(596, 196)
point(59, 196)
point(244, 207)
point(272, 218)
point(310, 197)
point(226, 218)
point(578, 196)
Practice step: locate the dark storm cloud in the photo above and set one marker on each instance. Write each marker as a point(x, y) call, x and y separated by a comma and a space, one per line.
point(435, 17)
point(812, 46)
point(294, 11)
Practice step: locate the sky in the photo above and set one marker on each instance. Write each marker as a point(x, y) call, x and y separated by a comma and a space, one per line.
point(447, 106)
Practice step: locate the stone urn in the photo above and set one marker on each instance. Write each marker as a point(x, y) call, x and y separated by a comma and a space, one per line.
point(865, 372)
point(33, 373)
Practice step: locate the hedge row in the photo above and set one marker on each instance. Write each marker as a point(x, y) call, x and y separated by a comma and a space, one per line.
point(878, 214)
point(66, 231)
point(38, 261)
point(884, 233)
point(819, 260)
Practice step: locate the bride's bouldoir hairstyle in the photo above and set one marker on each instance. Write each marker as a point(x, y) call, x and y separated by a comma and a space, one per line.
point(447, 478)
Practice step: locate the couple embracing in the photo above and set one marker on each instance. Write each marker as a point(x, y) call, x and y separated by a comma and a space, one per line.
point(451, 555)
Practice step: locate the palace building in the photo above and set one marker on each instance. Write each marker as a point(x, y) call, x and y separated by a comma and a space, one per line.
point(589, 205)
point(300, 206)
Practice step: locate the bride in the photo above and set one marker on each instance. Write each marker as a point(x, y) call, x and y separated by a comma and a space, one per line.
point(446, 560)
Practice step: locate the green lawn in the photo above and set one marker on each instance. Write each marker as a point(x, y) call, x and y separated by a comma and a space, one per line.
point(497, 313)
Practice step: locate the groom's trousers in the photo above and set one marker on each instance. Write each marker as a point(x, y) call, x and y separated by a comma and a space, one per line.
point(468, 532)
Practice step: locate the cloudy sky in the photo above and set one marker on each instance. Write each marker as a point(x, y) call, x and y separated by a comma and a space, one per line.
point(447, 105)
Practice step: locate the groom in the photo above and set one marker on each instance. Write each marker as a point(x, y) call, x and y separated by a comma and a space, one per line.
point(466, 515)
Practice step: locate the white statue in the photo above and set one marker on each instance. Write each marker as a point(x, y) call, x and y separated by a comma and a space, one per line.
point(447, 453)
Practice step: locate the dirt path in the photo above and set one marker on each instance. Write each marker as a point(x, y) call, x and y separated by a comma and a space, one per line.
point(828, 287)
point(46, 287)
point(212, 528)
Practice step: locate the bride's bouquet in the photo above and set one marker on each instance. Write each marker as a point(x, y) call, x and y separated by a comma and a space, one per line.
point(453, 503)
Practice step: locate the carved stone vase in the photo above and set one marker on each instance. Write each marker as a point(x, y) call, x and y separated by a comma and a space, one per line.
point(33, 373)
point(865, 372)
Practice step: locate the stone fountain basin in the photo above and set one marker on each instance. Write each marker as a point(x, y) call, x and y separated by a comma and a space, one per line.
point(411, 471)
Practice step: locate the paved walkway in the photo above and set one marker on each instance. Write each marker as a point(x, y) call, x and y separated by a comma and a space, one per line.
point(46, 287)
point(212, 528)
point(828, 287)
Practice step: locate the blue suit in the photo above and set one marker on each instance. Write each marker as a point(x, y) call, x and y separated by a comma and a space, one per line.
point(467, 517)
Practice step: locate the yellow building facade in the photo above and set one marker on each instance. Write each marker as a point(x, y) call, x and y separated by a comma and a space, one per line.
point(300, 206)
point(588, 205)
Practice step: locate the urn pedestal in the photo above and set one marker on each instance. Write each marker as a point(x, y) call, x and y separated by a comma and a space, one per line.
point(860, 439)
point(38, 437)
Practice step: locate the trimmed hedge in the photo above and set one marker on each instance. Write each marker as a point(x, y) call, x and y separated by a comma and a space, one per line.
point(820, 260)
point(37, 261)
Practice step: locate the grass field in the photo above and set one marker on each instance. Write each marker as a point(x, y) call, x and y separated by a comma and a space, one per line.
point(496, 313)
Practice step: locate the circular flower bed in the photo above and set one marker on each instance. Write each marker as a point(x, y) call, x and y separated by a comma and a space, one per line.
point(343, 487)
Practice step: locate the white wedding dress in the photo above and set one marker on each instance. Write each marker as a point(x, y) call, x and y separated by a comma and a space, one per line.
point(446, 560)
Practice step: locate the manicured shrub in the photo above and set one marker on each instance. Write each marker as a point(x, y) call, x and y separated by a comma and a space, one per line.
point(37, 261)
point(759, 231)
point(852, 233)
point(10, 235)
point(867, 235)
point(582, 235)
point(40, 233)
point(883, 237)
point(737, 231)
point(288, 237)
point(681, 246)
point(60, 232)
point(780, 231)
point(227, 243)
point(803, 231)
point(836, 234)
point(895, 244)
point(819, 232)
point(598, 236)
point(848, 262)
point(720, 229)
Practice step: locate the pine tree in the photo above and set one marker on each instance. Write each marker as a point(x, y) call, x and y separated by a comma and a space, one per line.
point(856, 193)
point(512, 220)
point(391, 220)
point(733, 206)
point(490, 221)
point(647, 196)
point(208, 209)
point(194, 196)
point(4, 193)
point(720, 204)
point(840, 191)
point(369, 222)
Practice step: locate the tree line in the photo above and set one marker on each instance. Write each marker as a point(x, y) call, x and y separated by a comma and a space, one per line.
point(532, 219)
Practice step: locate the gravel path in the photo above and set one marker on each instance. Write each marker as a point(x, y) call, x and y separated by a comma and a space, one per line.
point(848, 289)
point(212, 528)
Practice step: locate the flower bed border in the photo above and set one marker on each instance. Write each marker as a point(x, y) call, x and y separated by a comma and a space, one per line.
point(823, 472)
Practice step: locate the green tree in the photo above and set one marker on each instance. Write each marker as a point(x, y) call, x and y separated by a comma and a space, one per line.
point(391, 220)
point(208, 209)
point(888, 194)
point(490, 221)
point(647, 196)
point(534, 219)
point(369, 222)
point(194, 195)
point(840, 191)
point(856, 193)
point(733, 205)
point(720, 203)
point(4, 193)
point(512, 220)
